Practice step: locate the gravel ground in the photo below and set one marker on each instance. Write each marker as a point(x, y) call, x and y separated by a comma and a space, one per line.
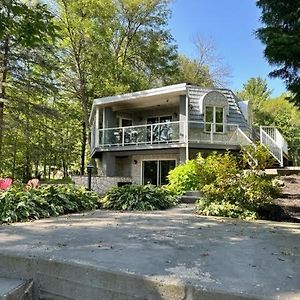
point(290, 199)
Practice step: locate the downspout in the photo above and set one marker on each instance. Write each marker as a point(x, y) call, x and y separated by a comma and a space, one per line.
point(186, 126)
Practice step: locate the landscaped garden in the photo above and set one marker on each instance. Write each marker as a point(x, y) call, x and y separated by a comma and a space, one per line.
point(20, 203)
point(231, 186)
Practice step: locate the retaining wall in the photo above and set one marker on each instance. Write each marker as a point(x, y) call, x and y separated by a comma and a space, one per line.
point(100, 184)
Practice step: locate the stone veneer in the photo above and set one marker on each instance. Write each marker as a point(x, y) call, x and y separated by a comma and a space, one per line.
point(100, 184)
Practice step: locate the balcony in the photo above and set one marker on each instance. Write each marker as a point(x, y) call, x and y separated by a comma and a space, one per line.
point(170, 134)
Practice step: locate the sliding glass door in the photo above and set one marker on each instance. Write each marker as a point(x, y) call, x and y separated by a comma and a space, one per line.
point(156, 171)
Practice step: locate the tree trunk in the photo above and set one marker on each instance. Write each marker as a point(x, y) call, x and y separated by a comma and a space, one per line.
point(14, 160)
point(4, 71)
point(83, 148)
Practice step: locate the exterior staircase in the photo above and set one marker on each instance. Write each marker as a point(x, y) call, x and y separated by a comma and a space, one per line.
point(15, 289)
point(271, 139)
point(190, 197)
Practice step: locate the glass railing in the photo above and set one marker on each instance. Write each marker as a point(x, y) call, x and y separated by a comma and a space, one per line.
point(213, 133)
point(171, 132)
point(168, 132)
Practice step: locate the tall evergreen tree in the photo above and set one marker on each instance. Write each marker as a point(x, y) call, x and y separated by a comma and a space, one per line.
point(281, 36)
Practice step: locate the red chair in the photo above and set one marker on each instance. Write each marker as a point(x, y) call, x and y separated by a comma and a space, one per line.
point(5, 183)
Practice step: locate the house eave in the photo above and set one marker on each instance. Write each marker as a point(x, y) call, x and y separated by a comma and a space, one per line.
point(176, 89)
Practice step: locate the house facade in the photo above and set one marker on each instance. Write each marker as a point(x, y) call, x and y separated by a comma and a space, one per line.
point(139, 137)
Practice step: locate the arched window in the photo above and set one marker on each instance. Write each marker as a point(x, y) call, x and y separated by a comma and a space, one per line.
point(214, 106)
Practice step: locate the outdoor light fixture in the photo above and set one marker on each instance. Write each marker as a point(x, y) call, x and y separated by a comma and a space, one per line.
point(89, 168)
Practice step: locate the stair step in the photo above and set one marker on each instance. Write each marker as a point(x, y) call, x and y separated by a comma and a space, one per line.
point(13, 289)
point(193, 193)
point(188, 199)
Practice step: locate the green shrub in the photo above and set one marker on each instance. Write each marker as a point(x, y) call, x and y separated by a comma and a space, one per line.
point(219, 168)
point(53, 200)
point(183, 178)
point(257, 157)
point(224, 209)
point(137, 197)
point(229, 191)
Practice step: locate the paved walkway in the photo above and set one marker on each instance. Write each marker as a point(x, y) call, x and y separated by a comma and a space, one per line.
point(259, 258)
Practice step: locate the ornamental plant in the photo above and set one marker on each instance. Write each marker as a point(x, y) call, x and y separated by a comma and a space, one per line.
point(183, 178)
point(17, 204)
point(138, 197)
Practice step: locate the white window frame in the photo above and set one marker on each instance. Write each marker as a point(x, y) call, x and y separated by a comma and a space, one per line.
point(214, 119)
point(158, 169)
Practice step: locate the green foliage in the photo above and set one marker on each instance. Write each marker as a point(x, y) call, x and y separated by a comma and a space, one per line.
point(216, 167)
point(183, 178)
point(281, 36)
point(257, 157)
point(138, 197)
point(256, 91)
point(282, 114)
point(53, 200)
point(207, 69)
point(229, 191)
point(224, 209)
point(191, 71)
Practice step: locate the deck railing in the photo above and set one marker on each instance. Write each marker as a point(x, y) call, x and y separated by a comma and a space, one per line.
point(173, 132)
point(217, 133)
point(277, 137)
point(272, 139)
point(168, 132)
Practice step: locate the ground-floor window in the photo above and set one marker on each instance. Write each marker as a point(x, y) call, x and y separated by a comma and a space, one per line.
point(156, 171)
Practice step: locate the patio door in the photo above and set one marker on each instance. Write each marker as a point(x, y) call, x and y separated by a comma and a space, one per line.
point(156, 171)
point(159, 133)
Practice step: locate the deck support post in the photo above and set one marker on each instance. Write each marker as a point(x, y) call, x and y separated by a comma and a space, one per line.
point(96, 128)
point(186, 127)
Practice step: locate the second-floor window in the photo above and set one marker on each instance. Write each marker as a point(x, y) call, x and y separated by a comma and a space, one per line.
point(214, 119)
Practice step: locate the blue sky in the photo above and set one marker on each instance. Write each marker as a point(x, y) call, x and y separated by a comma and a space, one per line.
point(231, 25)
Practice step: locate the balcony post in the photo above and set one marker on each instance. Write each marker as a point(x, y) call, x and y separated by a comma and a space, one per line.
point(151, 134)
point(123, 136)
point(186, 126)
point(212, 133)
point(96, 128)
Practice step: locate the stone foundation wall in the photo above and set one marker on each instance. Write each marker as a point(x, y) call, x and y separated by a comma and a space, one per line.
point(100, 184)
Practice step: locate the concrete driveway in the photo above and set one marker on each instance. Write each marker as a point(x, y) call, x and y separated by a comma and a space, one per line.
point(227, 257)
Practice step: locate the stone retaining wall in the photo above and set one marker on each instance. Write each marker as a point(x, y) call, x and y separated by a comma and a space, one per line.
point(100, 184)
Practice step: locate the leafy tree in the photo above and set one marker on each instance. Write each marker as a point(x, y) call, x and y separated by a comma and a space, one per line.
point(206, 69)
point(113, 47)
point(279, 112)
point(281, 36)
point(191, 71)
point(256, 91)
point(27, 34)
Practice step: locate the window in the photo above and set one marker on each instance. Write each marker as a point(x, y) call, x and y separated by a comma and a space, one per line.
point(125, 122)
point(163, 119)
point(214, 119)
point(156, 171)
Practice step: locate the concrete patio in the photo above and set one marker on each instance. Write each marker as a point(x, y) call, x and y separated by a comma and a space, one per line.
point(172, 254)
